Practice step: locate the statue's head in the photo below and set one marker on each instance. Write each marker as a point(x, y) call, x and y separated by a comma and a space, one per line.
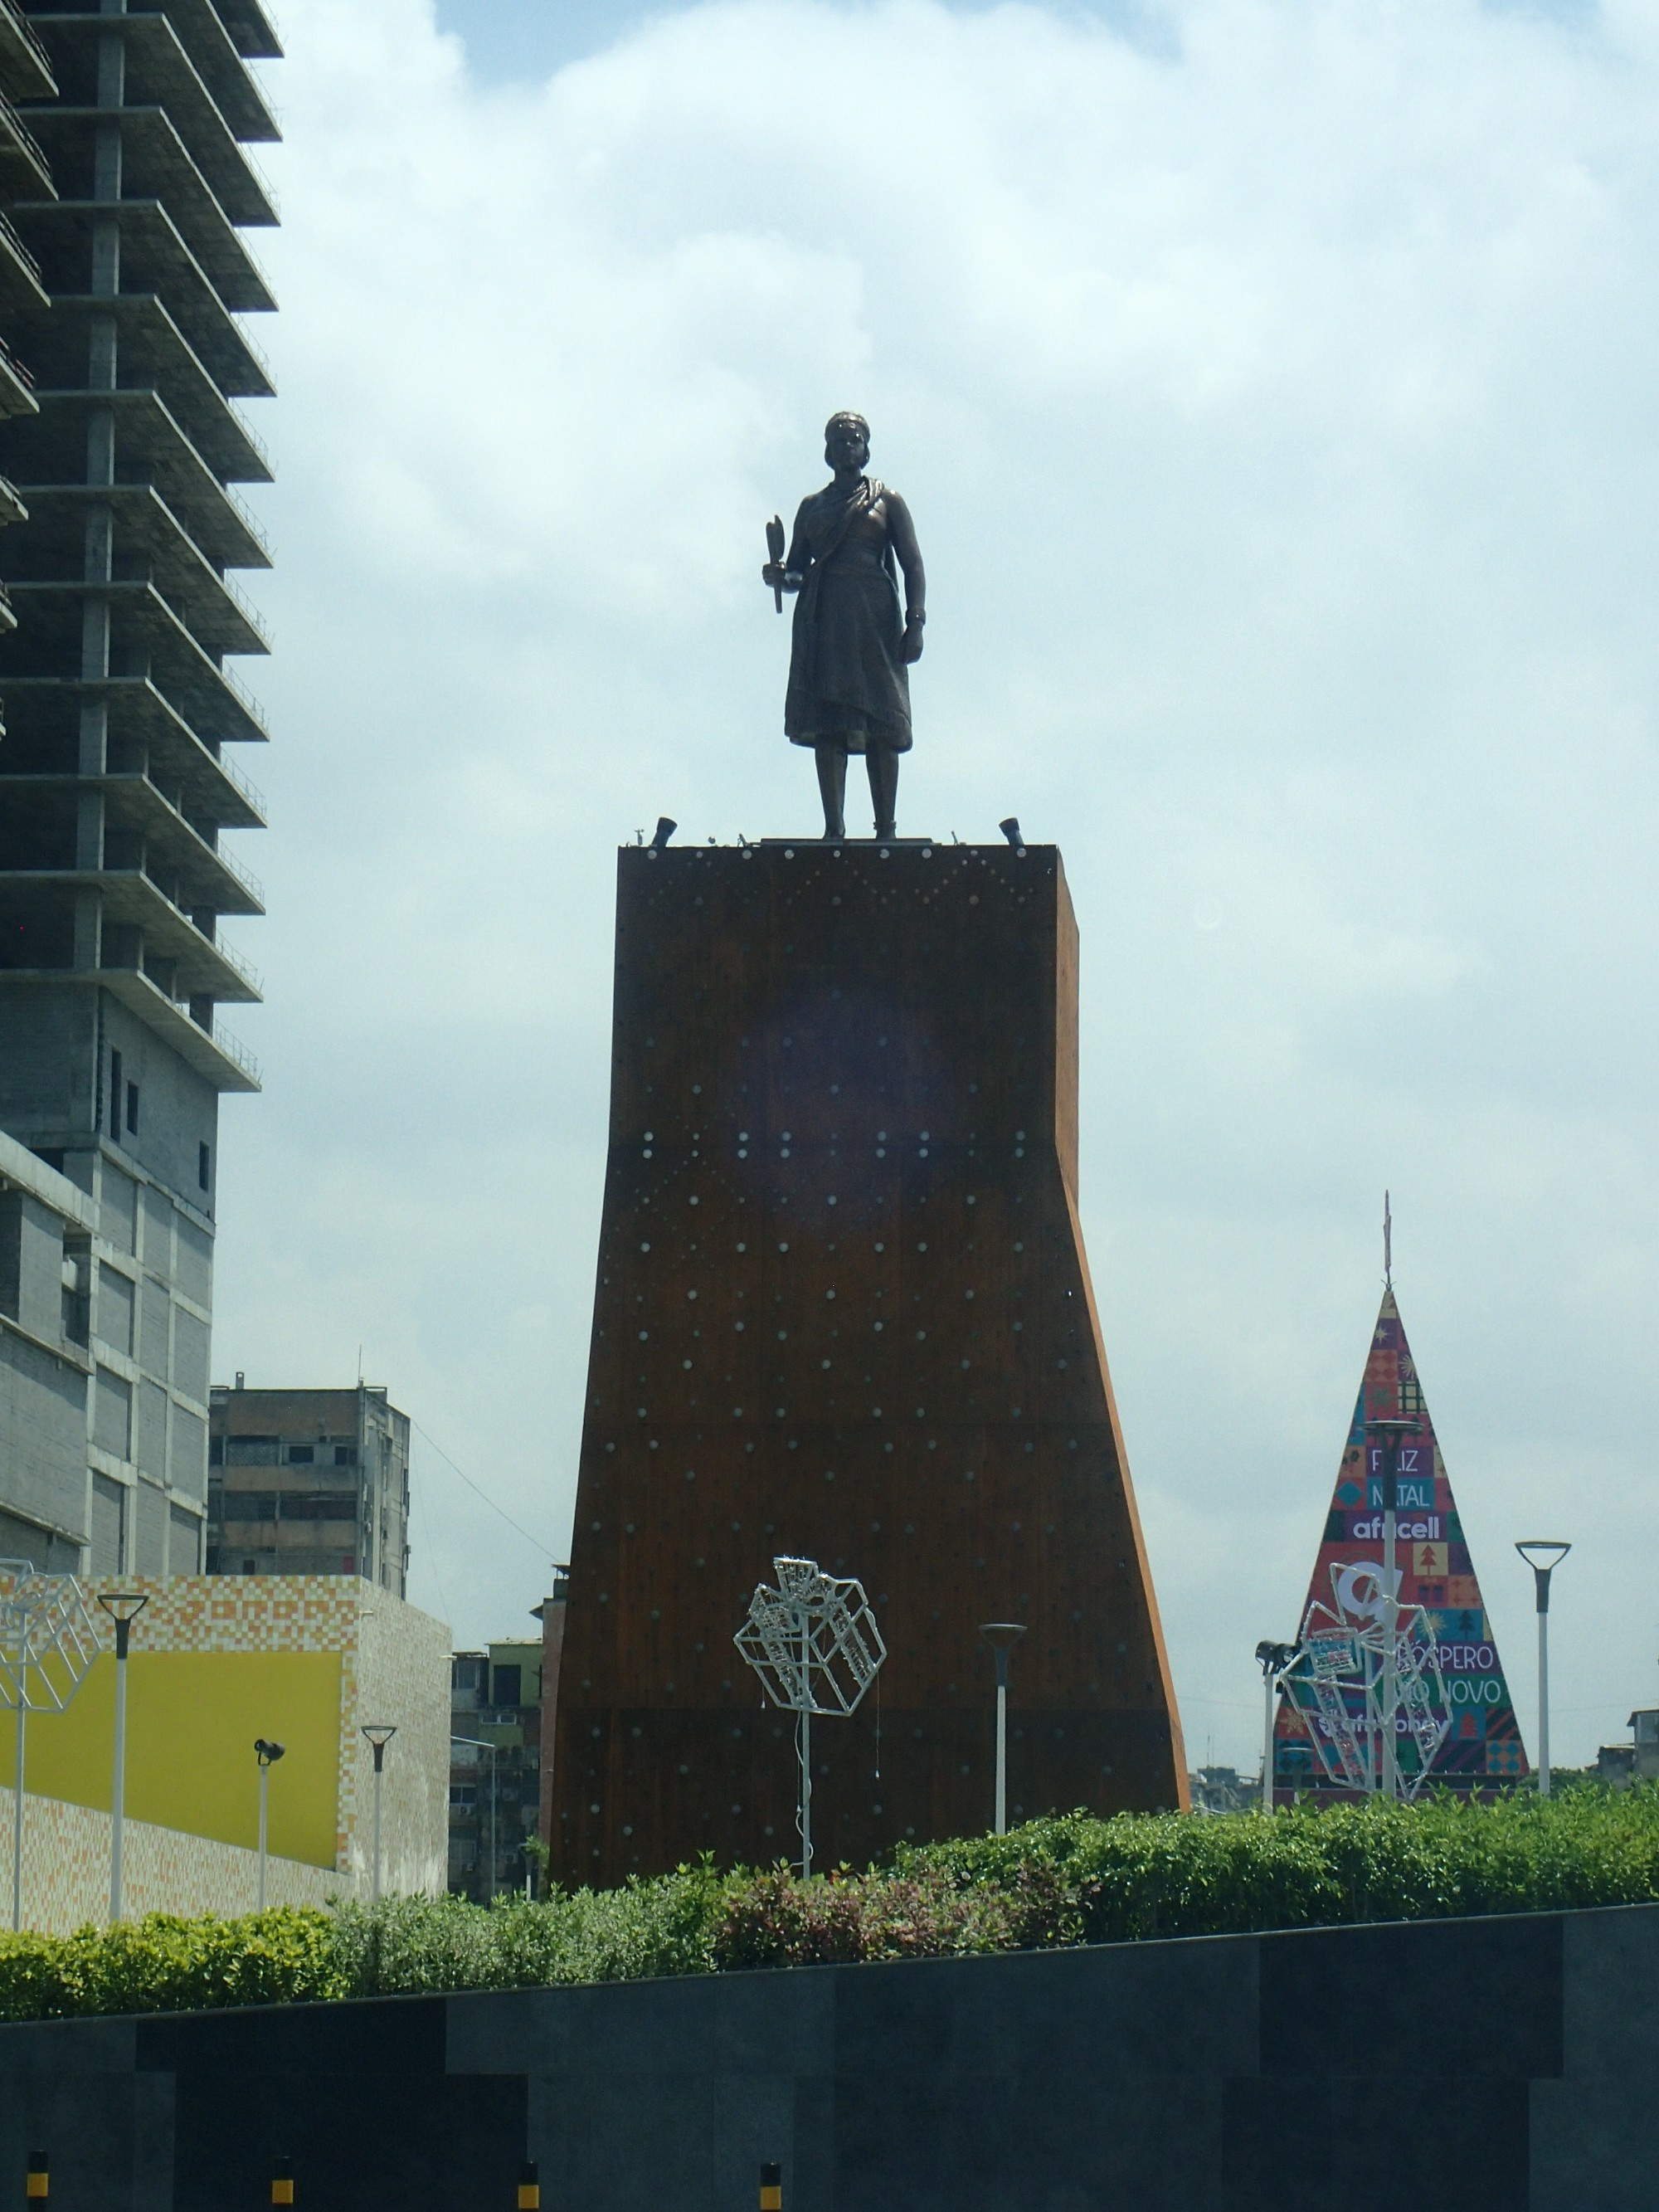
point(846, 441)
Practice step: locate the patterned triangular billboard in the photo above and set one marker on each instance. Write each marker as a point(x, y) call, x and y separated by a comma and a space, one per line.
point(1454, 1722)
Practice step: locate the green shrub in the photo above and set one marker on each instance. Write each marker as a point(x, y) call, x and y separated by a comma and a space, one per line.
point(164, 1963)
point(1069, 1880)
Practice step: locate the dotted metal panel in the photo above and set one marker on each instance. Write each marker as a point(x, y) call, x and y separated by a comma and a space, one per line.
point(843, 1310)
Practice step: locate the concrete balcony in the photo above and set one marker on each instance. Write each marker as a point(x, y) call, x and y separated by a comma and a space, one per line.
point(216, 1056)
point(156, 164)
point(198, 966)
point(160, 72)
point(25, 171)
point(145, 729)
point(25, 67)
point(251, 29)
point(141, 816)
point(152, 449)
point(16, 387)
point(20, 284)
point(196, 227)
point(154, 259)
point(153, 353)
point(145, 629)
point(146, 534)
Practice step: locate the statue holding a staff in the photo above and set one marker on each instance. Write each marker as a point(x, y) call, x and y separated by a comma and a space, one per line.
point(852, 646)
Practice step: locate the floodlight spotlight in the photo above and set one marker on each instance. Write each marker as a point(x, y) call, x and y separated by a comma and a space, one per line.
point(123, 1605)
point(268, 1753)
point(665, 830)
point(1011, 830)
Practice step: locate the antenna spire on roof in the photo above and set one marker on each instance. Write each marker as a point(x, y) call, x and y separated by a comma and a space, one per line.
point(1387, 1245)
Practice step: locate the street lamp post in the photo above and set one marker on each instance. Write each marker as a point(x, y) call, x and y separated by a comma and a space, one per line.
point(124, 1608)
point(377, 1734)
point(1002, 1636)
point(1390, 1432)
point(267, 1754)
point(1543, 1555)
point(477, 1743)
point(1273, 1659)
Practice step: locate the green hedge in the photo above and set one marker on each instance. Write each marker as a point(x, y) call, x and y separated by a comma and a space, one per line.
point(1052, 1882)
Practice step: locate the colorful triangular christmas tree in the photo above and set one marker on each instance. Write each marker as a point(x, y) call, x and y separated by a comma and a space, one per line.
point(1456, 1722)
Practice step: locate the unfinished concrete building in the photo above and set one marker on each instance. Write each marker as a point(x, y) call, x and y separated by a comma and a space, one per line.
point(123, 281)
point(308, 1482)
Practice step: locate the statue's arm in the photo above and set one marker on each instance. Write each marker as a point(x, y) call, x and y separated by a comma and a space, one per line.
point(798, 559)
point(903, 532)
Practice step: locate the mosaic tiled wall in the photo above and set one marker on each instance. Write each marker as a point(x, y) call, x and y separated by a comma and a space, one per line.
point(66, 1870)
point(394, 1664)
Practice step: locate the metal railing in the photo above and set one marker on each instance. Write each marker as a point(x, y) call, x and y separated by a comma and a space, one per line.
point(25, 31)
point(25, 137)
point(239, 873)
point(8, 232)
point(233, 1051)
point(245, 784)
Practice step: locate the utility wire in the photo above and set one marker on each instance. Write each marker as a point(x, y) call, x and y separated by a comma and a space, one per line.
point(485, 1495)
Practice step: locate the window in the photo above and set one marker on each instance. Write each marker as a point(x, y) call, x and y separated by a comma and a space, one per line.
point(301, 1455)
point(250, 1566)
point(463, 1793)
point(216, 1452)
point(115, 1097)
point(507, 1680)
point(345, 1455)
point(132, 1108)
point(203, 1165)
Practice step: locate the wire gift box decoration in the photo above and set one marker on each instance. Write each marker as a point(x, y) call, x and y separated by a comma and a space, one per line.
point(815, 1643)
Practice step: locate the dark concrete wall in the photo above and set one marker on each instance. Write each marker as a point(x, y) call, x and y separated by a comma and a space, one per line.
point(1500, 2065)
point(843, 1311)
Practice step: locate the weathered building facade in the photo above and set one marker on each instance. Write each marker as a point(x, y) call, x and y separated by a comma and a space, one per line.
point(308, 1482)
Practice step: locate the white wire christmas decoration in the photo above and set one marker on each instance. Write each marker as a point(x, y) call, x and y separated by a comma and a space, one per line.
point(1336, 1680)
point(815, 1643)
point(48, 1641)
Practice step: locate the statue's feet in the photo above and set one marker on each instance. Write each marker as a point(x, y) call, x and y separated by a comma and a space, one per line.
point(835, 833)
point(886, 832)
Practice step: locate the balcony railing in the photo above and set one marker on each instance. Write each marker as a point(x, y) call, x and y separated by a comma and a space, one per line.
point(25, 30)
point(8, 231)
point(25, 137)
point(235, 1049)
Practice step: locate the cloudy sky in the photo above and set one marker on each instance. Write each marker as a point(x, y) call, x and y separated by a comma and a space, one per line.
point(1273, 382)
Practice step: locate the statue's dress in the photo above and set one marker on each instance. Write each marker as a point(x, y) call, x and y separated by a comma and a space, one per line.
point(848, 686)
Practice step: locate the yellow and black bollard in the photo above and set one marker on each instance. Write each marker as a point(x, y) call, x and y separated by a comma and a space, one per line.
point(282, 2182)
point(529, 2187)
point(771, 2189)
point(38, 2183)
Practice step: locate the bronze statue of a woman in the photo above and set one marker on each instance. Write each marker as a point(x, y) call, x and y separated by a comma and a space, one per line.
point(849, 684)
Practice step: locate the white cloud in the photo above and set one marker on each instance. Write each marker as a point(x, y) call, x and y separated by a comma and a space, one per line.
point(1275, 399)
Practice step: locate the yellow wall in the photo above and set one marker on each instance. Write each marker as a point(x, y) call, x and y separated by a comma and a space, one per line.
point(192, 1719)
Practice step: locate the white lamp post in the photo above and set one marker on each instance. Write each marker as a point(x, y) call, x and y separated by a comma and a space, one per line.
point(1002, 1636)
point(1543, 1555)
point(267, 1754)
point(1273, 1659)
point(124, 1608)
point(477, 1743)
point(377, 1734)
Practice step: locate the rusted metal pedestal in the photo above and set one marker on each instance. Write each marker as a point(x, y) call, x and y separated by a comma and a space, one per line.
point(843, 1311)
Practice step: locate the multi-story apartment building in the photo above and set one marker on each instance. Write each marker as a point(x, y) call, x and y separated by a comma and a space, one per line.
point(123, 279)
point(494, 1767)
point(308, 1482)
